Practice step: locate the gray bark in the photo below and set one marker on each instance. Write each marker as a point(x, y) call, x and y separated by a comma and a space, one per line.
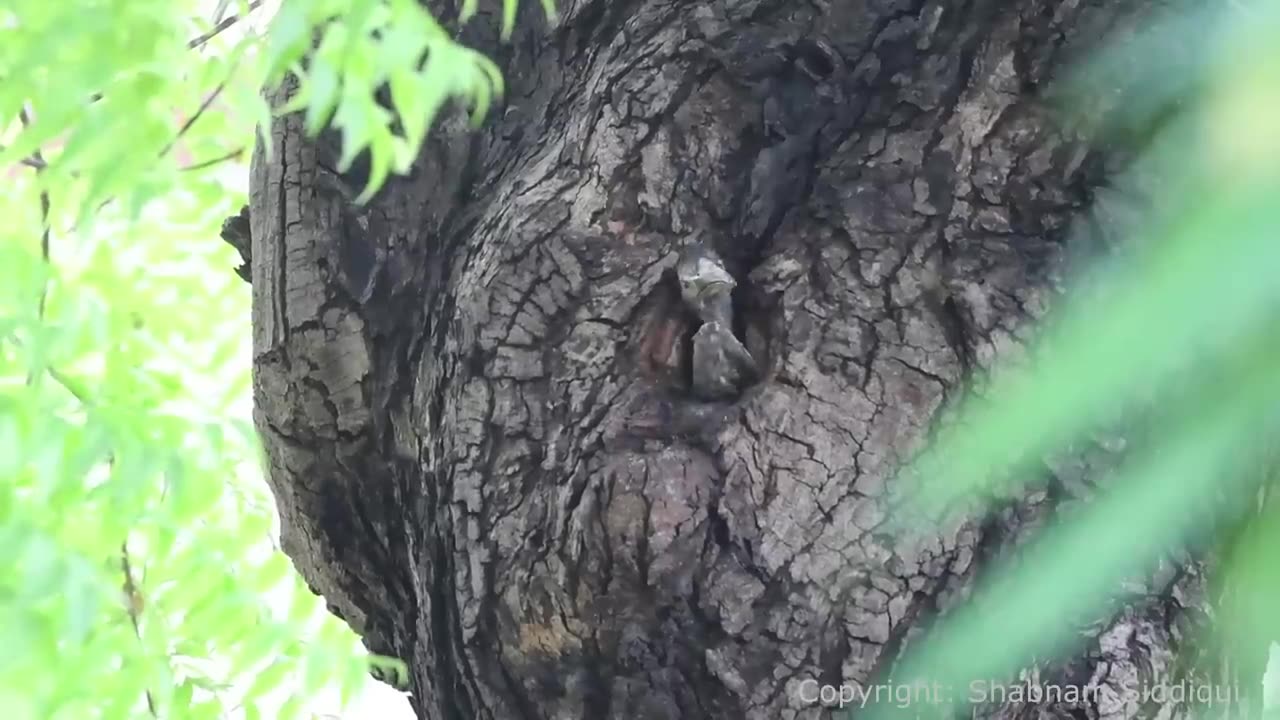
point(473, 396)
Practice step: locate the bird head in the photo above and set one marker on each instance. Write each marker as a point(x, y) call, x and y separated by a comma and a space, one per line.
point(702, 276)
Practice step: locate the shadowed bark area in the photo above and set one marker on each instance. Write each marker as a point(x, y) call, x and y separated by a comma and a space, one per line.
point(474, 393)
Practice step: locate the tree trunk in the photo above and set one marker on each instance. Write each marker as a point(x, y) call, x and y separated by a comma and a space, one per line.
point(475, 393)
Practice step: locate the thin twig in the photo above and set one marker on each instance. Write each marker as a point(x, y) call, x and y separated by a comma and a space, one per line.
point(233, 155)
point(31, 161)
point(221, 26)
point(134, 604)
point(205, 105)
point(208, 101)
point(70, 386)
point(202, 39)
point(39, 163)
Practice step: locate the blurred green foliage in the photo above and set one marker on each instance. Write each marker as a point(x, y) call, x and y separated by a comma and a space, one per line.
point(1168, 350)
point(138, 577)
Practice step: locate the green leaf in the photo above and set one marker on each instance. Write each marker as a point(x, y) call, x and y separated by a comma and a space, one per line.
point(393, 667)
point(322, 86)
point(287, 39)
point(182, 697)
point(292, 708)
point(509, 8)
point(268, 680)
point(468, 10)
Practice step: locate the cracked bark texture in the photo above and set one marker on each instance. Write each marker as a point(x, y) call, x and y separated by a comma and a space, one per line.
point(473, 398)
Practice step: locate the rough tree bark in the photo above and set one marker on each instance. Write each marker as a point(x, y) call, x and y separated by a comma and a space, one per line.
point(474, 394)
